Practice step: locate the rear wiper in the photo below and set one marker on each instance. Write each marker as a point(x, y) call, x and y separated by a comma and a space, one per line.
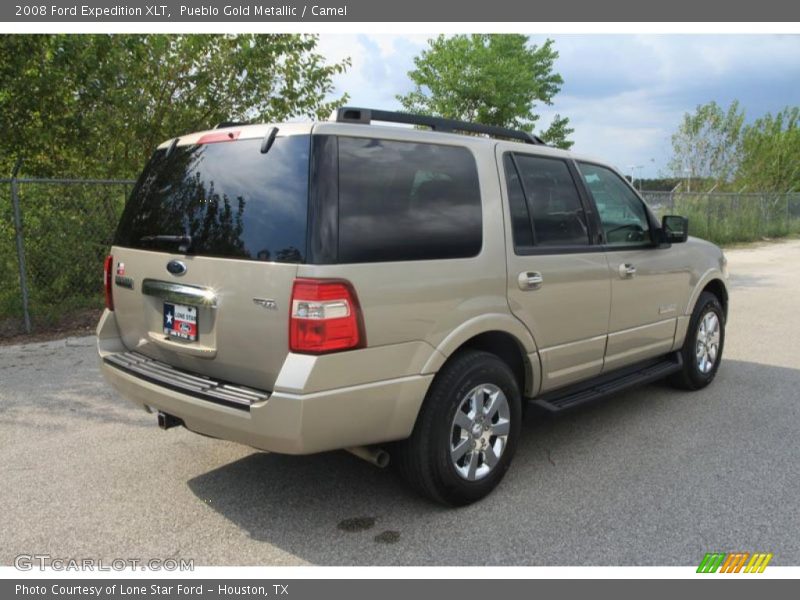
point(184, 241)
point(268, 140)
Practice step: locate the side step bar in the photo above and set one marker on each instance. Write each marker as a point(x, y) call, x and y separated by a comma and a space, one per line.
point(611, 383)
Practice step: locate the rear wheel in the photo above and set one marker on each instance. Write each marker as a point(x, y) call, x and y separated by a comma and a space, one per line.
point(702, 349)
point(466, 433)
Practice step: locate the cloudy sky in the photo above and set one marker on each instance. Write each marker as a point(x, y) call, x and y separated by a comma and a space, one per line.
point(623, 94)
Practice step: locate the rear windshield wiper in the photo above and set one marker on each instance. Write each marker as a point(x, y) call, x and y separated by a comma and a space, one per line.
point(184, 241)
point(268, 140)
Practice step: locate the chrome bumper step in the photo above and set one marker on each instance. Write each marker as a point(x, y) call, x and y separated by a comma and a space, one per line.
point(185, 382)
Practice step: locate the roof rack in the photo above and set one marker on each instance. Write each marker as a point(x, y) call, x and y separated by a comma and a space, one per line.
point(224, 124)
point(365, 116)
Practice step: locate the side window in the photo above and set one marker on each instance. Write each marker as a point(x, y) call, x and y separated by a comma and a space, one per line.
point(407, 201)
point(622, 214)
point(521, 230)
point(551, 198)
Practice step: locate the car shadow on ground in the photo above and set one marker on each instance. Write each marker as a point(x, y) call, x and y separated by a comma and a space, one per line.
point(570, 495)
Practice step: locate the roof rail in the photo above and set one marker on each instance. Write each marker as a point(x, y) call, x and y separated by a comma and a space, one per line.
point(224, 124)
point(365, 116)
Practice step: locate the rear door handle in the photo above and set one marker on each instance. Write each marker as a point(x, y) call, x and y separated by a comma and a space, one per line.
point(530, 280)
point(627, 271)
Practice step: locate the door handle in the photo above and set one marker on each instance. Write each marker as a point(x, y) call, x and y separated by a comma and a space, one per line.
point(530, 280)
point(627, 271)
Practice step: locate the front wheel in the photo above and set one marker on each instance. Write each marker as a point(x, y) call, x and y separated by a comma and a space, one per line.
point(466, 432)
point(702, 349)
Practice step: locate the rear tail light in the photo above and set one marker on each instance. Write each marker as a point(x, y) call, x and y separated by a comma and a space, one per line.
point(107, 279)
point(325, 317)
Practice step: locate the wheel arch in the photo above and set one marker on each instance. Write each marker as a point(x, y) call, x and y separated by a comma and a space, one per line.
point(712, 281)
point(717, 287)
point(501, 335)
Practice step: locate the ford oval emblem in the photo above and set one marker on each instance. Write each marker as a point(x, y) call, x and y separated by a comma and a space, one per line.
point(176, 267)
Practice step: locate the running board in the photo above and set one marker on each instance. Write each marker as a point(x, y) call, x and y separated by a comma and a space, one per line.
point(611, 383)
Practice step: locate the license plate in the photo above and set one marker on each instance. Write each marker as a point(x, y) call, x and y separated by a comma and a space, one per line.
point(180, 321)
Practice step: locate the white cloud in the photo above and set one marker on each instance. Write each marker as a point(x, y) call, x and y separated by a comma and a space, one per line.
point(624, 94)
point(380, 66)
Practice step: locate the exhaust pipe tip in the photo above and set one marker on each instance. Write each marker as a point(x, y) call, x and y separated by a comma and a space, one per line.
point(375, 456)
point(382, 458)
point(167, 421)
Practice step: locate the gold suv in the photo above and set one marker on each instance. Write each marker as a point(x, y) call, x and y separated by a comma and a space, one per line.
point(396, 291)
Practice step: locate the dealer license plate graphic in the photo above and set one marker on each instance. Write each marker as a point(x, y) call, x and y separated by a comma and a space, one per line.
point(180, 321)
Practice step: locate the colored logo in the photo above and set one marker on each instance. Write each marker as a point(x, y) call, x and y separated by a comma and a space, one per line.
point(734, 562)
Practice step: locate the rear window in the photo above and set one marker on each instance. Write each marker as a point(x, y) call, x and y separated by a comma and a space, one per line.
point(228, 198)
point(407, 201)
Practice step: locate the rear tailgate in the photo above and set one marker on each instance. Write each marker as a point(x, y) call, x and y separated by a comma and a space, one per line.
point(241, 324)
point(206, 253)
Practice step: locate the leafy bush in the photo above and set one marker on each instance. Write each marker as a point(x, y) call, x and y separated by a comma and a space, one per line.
point(732, 218)
point(67, 230)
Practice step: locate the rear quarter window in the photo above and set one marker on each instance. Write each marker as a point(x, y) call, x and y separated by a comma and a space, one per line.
point(402, 201)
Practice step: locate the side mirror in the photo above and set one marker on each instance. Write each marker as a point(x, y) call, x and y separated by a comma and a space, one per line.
point(674, 229)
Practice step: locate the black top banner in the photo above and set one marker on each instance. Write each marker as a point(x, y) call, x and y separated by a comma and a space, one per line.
point(407, 10)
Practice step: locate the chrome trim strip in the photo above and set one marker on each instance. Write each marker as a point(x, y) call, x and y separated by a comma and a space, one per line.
point(180, 293)
point(185, 382)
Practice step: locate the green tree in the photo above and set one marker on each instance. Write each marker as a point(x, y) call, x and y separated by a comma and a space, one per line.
point(488, 79)
point(707, 144)
point(97, 105)
point(771, 153)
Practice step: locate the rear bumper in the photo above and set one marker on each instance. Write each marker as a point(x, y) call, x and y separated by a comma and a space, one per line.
point(285, 422)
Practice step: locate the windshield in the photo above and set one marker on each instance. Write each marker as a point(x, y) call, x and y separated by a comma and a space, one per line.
point(223, 199)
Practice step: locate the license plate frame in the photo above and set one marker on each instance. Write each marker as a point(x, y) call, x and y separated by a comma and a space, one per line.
point(180, 321)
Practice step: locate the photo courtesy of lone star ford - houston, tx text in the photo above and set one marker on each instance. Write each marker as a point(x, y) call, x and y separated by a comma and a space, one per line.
point(353, 299)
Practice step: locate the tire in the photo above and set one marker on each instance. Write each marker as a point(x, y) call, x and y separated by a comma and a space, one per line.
point(697, 371)
point(427, 460)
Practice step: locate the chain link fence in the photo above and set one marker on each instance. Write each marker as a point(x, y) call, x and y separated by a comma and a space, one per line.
point(54, 235)
point(726, 218)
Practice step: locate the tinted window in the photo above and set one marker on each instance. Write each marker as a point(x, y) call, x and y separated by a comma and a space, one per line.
point(407, 201)
point(553, 202)
point(520, 218)
point(229, 198)
point(622, 214)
